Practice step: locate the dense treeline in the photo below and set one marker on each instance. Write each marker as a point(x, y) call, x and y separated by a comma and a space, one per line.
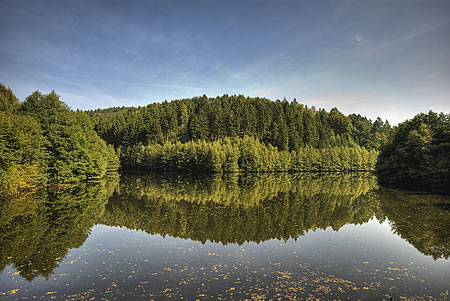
point(286, 125)
point(246, 154)
point(43, 141)
point(419, 154)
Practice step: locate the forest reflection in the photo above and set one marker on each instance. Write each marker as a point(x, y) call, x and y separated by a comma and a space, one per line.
point(238, 209)
point(37, 230)
point(423, 220)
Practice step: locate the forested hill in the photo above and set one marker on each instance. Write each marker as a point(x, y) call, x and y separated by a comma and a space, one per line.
point(286, 125)
point(43, 141)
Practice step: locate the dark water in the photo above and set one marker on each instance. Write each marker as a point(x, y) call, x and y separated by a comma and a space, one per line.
point(318, 236)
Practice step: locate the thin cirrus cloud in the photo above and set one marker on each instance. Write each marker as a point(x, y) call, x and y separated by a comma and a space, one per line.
point(357, 38)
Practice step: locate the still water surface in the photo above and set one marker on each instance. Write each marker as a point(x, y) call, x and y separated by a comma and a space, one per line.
point(141, 237)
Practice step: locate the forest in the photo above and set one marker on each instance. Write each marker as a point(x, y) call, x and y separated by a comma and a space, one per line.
point(44, 141)
point(418, 155)
point(285, 125)
point(246, 154)
point(240, 134)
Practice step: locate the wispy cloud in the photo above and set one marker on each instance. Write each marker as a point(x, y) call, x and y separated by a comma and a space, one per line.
point(357, 38)
point(425, 29)
point(382, 47)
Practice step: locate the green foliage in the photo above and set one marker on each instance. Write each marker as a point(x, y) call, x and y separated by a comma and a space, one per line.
point(419, 154)
point(43, 141)
point(245, 154)
point(21, 152)
point(371, 136)
point(8, 101)
point(282, 127)
point(75, 150)
point(288, 126)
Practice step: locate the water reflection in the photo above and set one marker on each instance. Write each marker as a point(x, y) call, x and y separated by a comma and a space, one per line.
point(37, 230)
point(422, 220)
point(238, 209)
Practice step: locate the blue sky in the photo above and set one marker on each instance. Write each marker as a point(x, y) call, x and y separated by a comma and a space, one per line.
point(376, 58)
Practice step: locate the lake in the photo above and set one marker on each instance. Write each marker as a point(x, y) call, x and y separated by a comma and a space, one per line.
point(269, 236)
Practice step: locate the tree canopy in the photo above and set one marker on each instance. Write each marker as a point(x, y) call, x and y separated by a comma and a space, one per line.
point(43, 141)
point(419, 154)
point(245, 154)
point(286, 125)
